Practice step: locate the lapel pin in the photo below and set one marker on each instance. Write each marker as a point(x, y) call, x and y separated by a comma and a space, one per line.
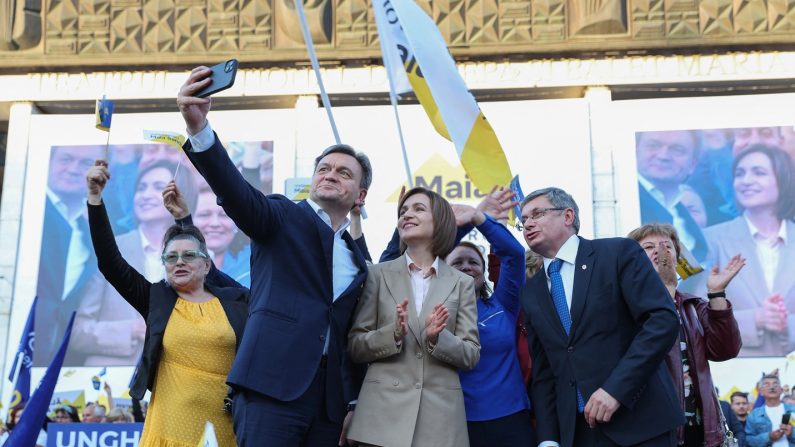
point(584, 267)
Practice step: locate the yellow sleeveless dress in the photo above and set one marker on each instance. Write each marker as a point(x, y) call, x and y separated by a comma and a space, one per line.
point(189, 388)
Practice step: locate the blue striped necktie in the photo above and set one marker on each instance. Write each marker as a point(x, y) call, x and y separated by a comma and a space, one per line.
point(561, 306)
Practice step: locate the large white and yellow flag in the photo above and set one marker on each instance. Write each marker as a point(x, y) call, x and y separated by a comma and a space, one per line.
point(441, 90)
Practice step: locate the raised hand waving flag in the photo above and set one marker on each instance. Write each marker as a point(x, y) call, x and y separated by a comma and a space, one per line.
point(104, 113)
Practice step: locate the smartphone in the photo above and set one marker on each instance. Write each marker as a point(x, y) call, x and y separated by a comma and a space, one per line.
point(785, 418)
point(223, 77)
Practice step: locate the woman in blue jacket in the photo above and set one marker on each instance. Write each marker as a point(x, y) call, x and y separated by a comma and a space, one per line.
point(497, 406)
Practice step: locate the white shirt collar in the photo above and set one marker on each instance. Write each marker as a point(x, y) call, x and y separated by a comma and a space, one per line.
point(326, 218)
point(61, 206)
point(657, 194)
point(782, 231)
point(567, 253)
point(435, 264)
point(146, 244)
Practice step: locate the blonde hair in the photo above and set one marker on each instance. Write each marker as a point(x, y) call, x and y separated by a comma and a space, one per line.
point(119, 415)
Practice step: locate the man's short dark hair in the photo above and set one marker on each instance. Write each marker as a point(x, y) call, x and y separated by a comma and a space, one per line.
point(364, 161)
point(559, 199)
point(738, 394)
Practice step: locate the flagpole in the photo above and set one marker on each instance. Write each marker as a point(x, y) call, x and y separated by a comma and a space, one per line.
point(176, 171)
point(299, 7)
point(392, 96)
point(107, 146)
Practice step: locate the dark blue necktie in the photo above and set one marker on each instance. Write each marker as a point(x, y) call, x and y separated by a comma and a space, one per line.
point(561, 306)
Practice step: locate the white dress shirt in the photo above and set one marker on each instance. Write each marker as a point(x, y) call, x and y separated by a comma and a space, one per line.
point(78, 253)
point(203, 139)
point(678, 221)
point(420, 280)
point(344, 265)
point(567, 254)
point(153, 264)
point(768, 250)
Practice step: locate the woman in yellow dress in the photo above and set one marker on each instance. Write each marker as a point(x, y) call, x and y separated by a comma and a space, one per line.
point(192, 328)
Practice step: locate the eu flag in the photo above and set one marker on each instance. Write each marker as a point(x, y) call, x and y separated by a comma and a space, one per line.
point(23, 361)
point(104, 112)
point(26, 432)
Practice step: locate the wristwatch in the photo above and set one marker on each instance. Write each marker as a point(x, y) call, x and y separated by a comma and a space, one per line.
point(713, 295)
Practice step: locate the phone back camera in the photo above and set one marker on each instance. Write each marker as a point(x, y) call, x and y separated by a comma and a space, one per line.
point(230, 65)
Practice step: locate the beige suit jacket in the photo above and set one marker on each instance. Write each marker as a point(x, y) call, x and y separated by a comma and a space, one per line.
point(748, 290)
point(410, 396)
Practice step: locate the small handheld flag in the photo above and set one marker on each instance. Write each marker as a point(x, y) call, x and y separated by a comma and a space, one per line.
point(686, 264)
point(104, 113)
point(172, 139)
point(95, 381)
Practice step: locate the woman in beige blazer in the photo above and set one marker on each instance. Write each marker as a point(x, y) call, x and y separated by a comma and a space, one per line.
point(416, 325)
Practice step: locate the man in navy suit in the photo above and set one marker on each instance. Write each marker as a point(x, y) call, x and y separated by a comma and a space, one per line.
point(67, 265)
point(666, 160)
point(600, 323)
point(292, 374)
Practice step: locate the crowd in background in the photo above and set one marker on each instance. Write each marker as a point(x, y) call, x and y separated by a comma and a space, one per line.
point(92, 412)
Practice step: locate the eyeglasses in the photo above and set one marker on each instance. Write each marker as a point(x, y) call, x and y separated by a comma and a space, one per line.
point(536, 215)
point(187, 256)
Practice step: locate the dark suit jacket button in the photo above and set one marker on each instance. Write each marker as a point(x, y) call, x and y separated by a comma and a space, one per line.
point(570, 349)
point(571, 383)
point(322, 338)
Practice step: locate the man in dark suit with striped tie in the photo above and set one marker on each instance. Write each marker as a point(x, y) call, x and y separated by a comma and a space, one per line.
point(599, 323)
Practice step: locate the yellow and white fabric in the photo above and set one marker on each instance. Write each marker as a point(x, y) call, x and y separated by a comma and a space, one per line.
point(441, 90)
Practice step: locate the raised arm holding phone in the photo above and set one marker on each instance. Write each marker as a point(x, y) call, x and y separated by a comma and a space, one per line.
point(294, 380)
